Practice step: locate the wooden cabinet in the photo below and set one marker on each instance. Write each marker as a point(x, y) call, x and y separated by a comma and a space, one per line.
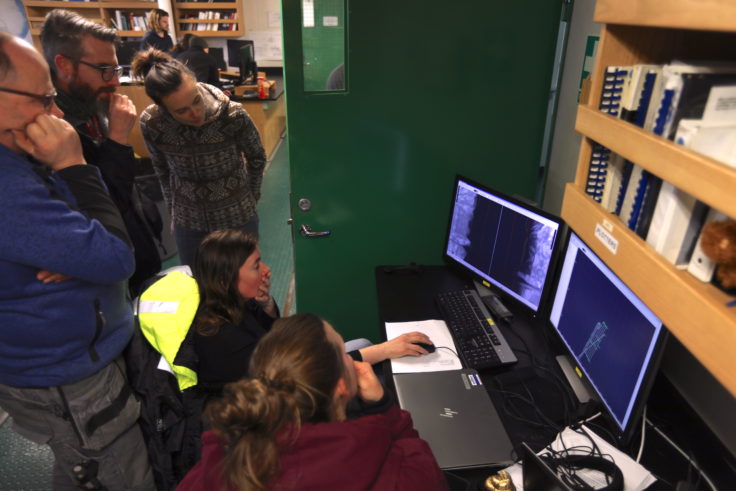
point(652, 31)
point(209, 19)
point(100, 11)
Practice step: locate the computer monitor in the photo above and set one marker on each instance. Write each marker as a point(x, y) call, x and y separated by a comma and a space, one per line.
point(241, 55)
point(126, 50)
point(612, 337)
point(219, 55)
point(248, 69)
point(507, 244)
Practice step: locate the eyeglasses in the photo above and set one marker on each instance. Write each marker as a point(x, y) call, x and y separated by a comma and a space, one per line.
point(108, 72)
point(46, 99)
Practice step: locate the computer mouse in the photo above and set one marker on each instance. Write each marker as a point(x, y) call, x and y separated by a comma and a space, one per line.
point(430, 348)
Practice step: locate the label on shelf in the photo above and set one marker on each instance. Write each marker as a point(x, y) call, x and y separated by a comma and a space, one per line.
point(606, 238)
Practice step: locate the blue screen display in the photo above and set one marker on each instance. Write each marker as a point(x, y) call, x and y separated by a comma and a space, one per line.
point(608, 331)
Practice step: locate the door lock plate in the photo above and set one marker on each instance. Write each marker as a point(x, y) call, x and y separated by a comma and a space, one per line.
point(305, 204)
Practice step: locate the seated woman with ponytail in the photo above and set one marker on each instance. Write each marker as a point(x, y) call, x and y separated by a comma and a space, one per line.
point(285, 427)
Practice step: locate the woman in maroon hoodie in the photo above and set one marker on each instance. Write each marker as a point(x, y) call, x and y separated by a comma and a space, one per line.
point(285, 427)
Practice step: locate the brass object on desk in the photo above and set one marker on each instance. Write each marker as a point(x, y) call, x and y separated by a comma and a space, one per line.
point(500, 481)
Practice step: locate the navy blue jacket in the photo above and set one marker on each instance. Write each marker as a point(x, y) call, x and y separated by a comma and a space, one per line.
point(59, 333)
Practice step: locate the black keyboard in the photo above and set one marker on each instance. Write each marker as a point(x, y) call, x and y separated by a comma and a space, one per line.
point(477, 337)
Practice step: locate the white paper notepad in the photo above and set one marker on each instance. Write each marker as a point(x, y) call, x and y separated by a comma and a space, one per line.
point(441, 359)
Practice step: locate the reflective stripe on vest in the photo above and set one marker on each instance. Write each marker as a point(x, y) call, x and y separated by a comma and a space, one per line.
point(165, 313)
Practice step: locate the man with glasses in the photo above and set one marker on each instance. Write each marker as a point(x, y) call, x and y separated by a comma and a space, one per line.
point(64, 313)
point(85, 71)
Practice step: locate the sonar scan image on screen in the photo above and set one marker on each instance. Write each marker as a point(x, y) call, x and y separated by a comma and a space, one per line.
point(604, 324)
point(506, 243)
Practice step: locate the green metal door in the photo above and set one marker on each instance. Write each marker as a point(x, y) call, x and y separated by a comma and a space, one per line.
point(432, 88)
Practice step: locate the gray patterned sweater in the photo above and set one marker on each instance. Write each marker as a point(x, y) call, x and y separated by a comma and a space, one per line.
point(210, 175)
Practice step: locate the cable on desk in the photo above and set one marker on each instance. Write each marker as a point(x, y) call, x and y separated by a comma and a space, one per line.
point(682, 452)
point(568, 401)
point(450, 350)
point(643, 434)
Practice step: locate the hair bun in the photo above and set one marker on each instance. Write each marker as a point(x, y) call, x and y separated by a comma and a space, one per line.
point(144, 61)
point(280, 385)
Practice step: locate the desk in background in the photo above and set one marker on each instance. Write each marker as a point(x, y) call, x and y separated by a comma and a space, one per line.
point(269, 116)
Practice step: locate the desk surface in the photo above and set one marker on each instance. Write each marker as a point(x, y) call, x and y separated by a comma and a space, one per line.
point(406, 295)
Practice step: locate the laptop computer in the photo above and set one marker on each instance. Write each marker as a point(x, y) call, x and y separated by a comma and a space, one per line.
point(454, 414)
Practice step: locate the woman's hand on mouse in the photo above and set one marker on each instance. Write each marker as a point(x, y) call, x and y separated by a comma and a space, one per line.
point(397, 347)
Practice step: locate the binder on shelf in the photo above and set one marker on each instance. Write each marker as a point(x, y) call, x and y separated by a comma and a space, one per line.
point(612, 185)
point(628, 169)
point(613, 85)
point(676, 224)
point(597, 170)
point(645, 100)
point(634, 97)
point(648, 205)
point(685, 97)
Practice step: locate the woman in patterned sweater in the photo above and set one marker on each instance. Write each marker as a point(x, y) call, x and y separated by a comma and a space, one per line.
point(205, 149)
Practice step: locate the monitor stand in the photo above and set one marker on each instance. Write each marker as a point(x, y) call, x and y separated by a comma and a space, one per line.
point(578, 386)
point(493, 302)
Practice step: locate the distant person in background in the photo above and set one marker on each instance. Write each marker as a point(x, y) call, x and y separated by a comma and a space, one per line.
point(158, 32)
point(197, 58)
point(205, 149)
point(336, 78)
point(182, 45)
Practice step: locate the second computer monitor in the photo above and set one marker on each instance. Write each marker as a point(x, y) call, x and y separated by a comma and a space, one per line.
point(613, 338)
point(503, 241)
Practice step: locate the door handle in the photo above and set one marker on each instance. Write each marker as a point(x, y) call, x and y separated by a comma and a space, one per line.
point(306, 231)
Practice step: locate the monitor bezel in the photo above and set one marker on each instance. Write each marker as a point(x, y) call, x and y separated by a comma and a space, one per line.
point(623, 435)
point(506, 297)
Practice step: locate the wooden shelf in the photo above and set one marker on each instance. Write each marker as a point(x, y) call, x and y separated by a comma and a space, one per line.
point(181, 9)
point(706, 179)
point(207, 6)
point(702, 15)
point(695, 312)
point(207, 21)
point(215, 34)
point(62, 4)
point(657, 32)
point(122, 33)
point(100, 11)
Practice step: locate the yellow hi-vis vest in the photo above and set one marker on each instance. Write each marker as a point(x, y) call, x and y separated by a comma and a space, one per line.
point(165, 312)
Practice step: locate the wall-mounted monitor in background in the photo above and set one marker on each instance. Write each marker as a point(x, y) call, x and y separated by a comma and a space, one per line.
point(503, 242)
point(611, 336)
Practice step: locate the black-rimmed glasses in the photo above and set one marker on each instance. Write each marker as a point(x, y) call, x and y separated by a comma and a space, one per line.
point(108, 72)
point(46, 99)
